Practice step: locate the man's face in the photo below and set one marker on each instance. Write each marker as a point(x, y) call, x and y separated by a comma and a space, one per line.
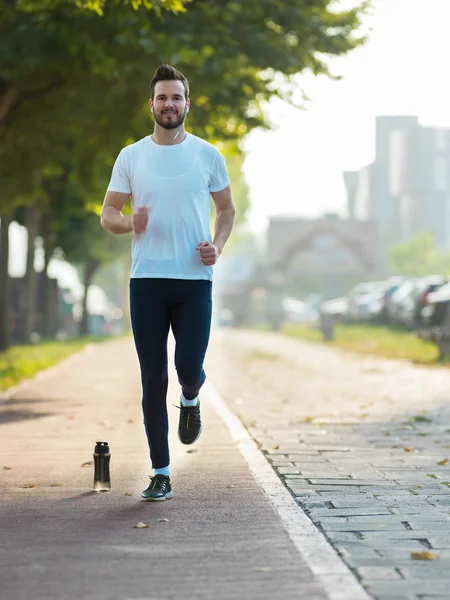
point(169, 104)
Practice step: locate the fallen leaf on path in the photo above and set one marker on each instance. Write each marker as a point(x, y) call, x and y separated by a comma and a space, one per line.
point(28, 485)
point(277, 447)
point(128, 493)
point(141, 525)
point(131, 421)
point(88, 464)
point(191, 451)
point(230, 486)
point(424, 555)
point(7, 468)
point(443, 462)
point(163, 520)
point(408, 449)
point(263, 569)
point(57, 484)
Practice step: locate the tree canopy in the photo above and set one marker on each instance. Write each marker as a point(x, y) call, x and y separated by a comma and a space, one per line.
point(419, 256)
point(75, 74)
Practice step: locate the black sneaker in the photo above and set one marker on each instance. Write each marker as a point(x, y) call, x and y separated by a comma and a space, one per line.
point(159, 489)
point(190, 424)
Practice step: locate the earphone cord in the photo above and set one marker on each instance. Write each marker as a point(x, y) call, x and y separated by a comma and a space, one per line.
point(174, 137)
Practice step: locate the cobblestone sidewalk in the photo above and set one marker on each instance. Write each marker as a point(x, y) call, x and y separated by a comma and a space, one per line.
point(362, 443)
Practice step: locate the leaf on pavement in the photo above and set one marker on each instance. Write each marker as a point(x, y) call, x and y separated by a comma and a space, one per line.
point(141, 525)
point(59, 484)
point(408, 449)
point(277, 447)
point(424, 555)
point(128, 493)
point(131, 421)
point(443, 462)
point(7, 468)
point(88, 464)
point(191, 451)
point(163, 520)
point(28, 485)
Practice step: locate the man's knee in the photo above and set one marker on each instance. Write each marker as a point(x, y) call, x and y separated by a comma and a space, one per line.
point(189, 373)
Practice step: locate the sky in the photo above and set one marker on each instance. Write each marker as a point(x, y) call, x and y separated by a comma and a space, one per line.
point(296, 169)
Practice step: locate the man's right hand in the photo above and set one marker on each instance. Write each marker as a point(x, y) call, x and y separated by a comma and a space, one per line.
point(139, 219)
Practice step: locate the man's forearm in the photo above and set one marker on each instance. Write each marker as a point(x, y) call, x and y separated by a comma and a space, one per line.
point(223, 227)
point(114, 221)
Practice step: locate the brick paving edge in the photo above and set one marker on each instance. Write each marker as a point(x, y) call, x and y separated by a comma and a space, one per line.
point(338, 581)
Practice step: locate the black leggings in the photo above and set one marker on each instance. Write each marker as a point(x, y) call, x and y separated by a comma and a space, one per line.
point(156, 305)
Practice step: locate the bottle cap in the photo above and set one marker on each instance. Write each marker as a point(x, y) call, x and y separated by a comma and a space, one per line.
point(101, 448)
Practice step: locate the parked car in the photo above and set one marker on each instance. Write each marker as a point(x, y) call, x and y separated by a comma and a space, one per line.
point(360, 299)
point(437, 304)
point(296, 311)
point(425, 287)
point(337, 307)
point(391, 286)
point(436, 319)
point(412, 297)
point(398, 300)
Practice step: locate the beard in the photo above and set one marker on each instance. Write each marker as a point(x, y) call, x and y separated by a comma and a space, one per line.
point(170, 119)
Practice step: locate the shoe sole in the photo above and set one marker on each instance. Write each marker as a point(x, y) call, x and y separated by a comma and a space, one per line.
point(168, 496)
point(193, 441)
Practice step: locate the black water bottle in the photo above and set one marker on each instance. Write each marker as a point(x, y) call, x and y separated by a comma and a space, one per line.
point(102, 456)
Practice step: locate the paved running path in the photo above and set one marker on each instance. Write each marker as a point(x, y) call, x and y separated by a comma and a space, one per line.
point(223, 539)
point(363, 445)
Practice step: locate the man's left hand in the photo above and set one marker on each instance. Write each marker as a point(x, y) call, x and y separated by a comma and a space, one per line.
point(209, 253)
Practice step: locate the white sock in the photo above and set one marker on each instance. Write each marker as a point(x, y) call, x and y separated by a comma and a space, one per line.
point(163, 471)
point(188, 403)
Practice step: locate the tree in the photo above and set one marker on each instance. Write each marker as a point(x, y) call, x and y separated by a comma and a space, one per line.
point(84, 246)
point(419, 256)
point(68, 68)
point(239, 186)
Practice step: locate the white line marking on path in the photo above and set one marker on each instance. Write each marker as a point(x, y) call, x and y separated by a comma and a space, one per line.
point(332, 573)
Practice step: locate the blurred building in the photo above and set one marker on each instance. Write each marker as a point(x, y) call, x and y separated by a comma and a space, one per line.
point(406, 190)
point(420, 162)
point(329, 248)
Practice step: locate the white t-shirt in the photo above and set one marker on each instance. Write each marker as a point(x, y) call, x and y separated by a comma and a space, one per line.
point(175, 183)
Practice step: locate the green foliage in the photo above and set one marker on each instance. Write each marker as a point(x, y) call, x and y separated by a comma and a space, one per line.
point(74, 79)
point(419, 256)
point(239, 186)
point(22, 362)
point(70, 77)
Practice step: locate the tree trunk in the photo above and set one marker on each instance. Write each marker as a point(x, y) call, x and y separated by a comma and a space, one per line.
point(29, 290)
point(8, 94)
point(89, 269)
point(46, 292)
point(4, 282)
